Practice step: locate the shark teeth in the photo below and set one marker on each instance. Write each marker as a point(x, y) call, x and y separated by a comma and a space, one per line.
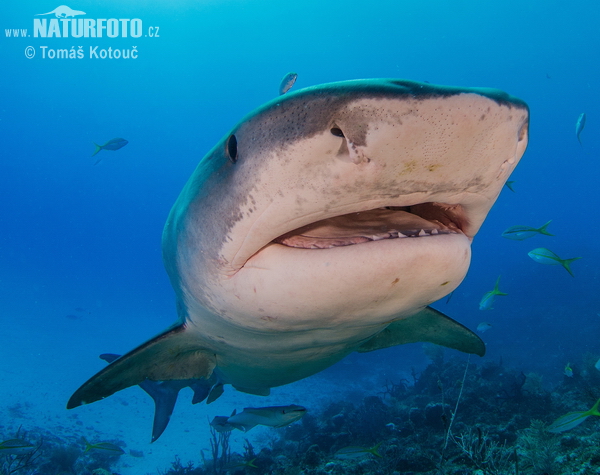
point(310, 242)
point(411, 233)
point(375, 225)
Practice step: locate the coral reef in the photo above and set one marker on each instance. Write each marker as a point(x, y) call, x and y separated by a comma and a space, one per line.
point(53, 455)
point(451, 419)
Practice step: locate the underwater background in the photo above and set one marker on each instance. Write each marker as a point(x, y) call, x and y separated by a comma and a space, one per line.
point(81, 270)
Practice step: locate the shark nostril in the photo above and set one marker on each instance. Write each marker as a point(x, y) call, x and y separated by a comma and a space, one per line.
point(337, 132)
point(231, 148)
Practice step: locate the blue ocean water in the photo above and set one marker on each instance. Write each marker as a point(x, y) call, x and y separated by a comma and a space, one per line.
point(80, 261)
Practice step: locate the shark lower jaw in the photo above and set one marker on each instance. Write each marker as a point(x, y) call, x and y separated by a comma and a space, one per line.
point(385, 248)
point(390, 222)
point(361, 286)
point(365, 268)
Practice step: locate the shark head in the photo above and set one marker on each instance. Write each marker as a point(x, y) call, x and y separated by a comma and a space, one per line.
point(341, 207)
point(326, 222)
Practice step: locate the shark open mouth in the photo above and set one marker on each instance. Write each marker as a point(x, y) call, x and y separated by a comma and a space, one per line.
point(393, 222)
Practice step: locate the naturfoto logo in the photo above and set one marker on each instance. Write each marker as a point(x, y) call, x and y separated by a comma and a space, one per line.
point(63, 12)
point(66, 25)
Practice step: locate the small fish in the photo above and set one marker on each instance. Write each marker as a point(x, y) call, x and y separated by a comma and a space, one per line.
point(483, 327)
point(579, 127)
point(546, 256)
point(220, 423)
point(519, 233)
point(270, 416)
point(573, 419)
point(106, 446)
point(113, 144)
point(597, 365)
point(488, 299)
point(287, 82)
point(509, 185)
point(15, 447)
point(354, 452)
point(240, 465)
point(73, 317)
point(568, 370)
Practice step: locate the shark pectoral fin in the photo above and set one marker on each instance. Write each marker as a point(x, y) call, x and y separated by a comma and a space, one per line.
point(254, 391)
point(428, 325)
point(109, 357)
point(171, 355)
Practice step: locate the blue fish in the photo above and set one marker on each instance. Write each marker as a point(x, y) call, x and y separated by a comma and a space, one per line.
point(113, 144)
point(579, 127)
point(354, 452)
point(287, 82)
point(519, 233)
point(105, 446)
point(488, 299)
point(16, 447)
point(546, 256)
point(573, 419)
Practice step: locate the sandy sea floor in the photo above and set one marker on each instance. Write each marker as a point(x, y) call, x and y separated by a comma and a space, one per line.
point(40, 371)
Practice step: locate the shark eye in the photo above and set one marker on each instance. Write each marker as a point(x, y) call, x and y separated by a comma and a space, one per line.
point(231, 148)
point(337, 132)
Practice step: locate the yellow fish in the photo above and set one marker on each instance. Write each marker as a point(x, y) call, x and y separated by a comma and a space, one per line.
point(488, 299)
point(573, 419)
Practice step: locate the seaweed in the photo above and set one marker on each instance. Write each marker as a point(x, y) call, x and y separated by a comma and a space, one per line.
point(13, 463)
point(221, 454)
point(489, 456)
point(62, 460)
point(177, 468)
point(538, 448)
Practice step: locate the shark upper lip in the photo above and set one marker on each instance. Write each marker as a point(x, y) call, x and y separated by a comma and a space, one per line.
point(392, 222)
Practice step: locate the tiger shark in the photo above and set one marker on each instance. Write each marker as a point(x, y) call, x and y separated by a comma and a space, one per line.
point(326, 222)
